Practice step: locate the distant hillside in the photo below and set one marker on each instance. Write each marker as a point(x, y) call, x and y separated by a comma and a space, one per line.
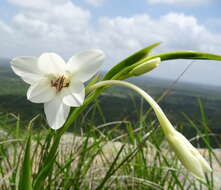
point(119, 103)
point(10, 84)
point(4, 61)
point(5, 69)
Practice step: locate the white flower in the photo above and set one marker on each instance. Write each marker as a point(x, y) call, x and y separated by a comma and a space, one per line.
point(56, 84)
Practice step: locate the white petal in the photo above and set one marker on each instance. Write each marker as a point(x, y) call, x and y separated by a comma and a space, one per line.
point(51, 63)
point(56, 112)
point(206, 167)
point(74, 99)
point(41, 91)
point(26, 68)
point(85, 64)
point(74, 95)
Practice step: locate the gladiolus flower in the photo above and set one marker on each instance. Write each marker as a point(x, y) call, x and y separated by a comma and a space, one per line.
point(56, 84)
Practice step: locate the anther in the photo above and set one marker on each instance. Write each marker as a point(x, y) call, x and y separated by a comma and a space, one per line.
point(60, 83)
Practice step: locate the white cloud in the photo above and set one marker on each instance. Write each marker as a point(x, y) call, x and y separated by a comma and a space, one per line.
point(61, 27)
point(65, 28)
point(6, 38)
point(96, 2)
point(4, 28)
point(66, 16)
point(177, 31)
point(37, 4)
point(179, 2)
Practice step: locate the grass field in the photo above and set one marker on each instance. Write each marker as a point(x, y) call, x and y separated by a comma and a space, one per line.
point(98, 157)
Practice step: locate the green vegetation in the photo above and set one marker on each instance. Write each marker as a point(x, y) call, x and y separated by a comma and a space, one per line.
point(102, 157)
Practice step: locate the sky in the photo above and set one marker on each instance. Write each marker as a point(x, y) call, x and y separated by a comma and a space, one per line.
point(119, 28)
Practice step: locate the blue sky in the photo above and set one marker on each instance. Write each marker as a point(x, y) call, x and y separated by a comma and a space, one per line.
point(30, 27)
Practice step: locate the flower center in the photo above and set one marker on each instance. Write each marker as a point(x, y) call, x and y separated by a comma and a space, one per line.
point(59, 83)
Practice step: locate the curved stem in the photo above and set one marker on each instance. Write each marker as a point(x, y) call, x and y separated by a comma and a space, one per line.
point(164, 122)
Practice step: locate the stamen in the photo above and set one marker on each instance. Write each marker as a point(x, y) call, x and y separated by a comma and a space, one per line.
point(60, 83)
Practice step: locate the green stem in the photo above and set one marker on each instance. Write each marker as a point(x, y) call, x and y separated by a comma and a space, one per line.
point(185, 54)
point(164, 122)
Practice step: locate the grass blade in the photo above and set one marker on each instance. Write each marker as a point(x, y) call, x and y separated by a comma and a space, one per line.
point(25, 182)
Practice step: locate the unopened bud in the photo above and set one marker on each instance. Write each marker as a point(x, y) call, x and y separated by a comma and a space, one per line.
point(145, 67)
point(188, 155)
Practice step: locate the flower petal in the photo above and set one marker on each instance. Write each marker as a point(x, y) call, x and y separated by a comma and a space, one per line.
point(206, 167)
point(74, 95)
point(41, 91)
point(51, 63)
point(85, 64)
point(74, 99)
point(56, 112)
point(26, 68)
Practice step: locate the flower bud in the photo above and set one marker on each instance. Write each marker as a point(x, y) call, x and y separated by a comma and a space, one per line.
point(188, 155)
point(145, 67)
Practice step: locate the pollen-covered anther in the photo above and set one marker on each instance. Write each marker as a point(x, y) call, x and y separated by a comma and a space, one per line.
point(60, 83)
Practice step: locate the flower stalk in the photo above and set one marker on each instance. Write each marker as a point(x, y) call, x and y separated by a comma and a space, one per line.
point(185, 151)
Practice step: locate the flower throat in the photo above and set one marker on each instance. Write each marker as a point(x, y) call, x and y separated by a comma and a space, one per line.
point(60, 83)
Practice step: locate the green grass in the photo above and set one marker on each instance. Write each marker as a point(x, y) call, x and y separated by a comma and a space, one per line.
point(99, 157)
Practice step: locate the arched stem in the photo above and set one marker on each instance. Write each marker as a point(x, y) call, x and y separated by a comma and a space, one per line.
point(164, 122)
